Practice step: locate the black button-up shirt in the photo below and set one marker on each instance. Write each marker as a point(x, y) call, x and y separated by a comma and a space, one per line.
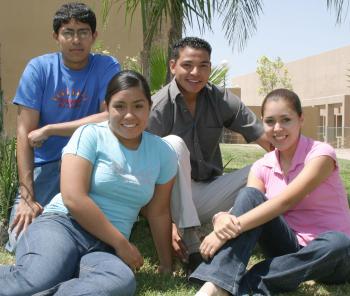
point(215, 108)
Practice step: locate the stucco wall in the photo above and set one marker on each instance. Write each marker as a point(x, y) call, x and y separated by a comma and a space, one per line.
point(317, 76)
point(26, 32)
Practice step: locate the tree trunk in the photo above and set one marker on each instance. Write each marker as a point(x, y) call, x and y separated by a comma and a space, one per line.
point(175, 31)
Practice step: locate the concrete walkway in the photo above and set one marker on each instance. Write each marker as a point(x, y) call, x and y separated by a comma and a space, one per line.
point(343, 153)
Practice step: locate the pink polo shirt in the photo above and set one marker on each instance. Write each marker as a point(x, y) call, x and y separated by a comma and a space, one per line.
point(324, 209)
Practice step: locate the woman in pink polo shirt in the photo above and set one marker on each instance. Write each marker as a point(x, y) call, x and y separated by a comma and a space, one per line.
point(294, 206)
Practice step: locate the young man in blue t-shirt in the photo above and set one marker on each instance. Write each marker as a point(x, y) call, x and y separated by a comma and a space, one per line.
point(57, 93)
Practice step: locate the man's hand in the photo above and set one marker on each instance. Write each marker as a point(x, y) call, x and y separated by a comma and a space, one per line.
point(179, 247)
point(226, 226)
point(130, 255)
point(210, 245)
point(26, 212)
point(37, 137)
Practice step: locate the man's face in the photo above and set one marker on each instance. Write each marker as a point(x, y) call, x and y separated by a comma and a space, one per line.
point(191, 70)
point(75, 40)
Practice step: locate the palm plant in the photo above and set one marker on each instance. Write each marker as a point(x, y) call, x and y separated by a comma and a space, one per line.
point(159, 67)
point(239, 19)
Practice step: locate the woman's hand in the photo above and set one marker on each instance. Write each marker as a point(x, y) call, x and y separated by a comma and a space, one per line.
point(129, 254)
point(210, 245)
point(226, 226)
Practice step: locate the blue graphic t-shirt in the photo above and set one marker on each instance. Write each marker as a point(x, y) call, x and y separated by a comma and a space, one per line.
point(122, 180)
point(61, 94)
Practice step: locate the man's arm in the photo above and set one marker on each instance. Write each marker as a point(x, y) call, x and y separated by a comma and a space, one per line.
point(28, 208)
point(38, 136)
point(264, 143)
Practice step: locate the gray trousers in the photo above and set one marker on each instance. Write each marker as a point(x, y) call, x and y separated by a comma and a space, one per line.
point(194, 203)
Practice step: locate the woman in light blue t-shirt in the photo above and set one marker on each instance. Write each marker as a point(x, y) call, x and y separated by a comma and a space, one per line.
point(110, 171)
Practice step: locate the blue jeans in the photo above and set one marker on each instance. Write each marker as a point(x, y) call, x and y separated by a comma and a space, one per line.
point(55, 256)
point(325, 259)
point(46, 186)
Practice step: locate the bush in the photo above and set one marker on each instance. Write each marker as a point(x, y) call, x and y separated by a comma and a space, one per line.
point(8, 177)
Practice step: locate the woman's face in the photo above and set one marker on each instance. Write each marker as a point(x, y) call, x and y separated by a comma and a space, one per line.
point(128, 115)
point(282, 125)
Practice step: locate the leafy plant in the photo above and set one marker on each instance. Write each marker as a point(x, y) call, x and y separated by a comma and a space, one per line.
point(8, 176)
point(159, 66)
point(272, 74)
point(218, 75)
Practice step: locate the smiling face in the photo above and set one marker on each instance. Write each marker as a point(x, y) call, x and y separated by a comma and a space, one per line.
point(128, 115)
point(75, 40)
point(282, 125)
point(191, 70)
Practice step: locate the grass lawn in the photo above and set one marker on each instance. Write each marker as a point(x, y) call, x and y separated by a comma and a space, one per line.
point(151, 284)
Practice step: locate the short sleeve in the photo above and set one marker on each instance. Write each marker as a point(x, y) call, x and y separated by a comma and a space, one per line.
point(83, 143)
point(257, 170)
point(321, 149)
point(30, 90)
point(168, 163)
point(111, 68)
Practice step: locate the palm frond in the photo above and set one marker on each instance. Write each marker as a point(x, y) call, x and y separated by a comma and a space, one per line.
point(341, 8)
point(240, 19)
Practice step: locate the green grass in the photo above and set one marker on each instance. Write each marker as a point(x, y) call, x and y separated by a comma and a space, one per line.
point(152, 284)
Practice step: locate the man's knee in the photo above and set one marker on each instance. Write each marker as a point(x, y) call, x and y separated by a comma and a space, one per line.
point(178, 145)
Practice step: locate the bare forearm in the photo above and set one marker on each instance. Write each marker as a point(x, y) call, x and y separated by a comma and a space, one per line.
point(161, 233)
point(68, 128)
point(25, 164)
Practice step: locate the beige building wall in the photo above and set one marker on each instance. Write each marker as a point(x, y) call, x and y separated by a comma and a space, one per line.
point(26, 32)
point(322, 84)
point(317, 76)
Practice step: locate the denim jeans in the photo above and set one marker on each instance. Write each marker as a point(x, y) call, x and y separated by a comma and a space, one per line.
point(325, 259)
point(46, 186)
point(55, 256)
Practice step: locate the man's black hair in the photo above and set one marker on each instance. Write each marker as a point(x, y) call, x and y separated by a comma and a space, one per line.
point(192, 42)
point(77, 11)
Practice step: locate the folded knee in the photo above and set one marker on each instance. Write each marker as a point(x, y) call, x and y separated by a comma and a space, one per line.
point(178, 145)
point(249, 197)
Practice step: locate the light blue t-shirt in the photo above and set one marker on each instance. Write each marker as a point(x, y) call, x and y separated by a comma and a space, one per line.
point(122, 180)
point(61, 94)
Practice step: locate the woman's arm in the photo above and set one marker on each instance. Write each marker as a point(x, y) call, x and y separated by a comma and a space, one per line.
point(307, 181)
point(158, 215)
point(75, 183)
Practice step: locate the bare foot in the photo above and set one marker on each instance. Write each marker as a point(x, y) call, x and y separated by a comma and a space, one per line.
point(210, 289)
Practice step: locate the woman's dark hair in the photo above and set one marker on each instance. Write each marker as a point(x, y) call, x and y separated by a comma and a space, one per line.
point(74, 10)
point(283, 94)
point(127, 79)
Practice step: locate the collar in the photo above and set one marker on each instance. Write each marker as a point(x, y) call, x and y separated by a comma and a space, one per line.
point(174, 90)
point(271, 159)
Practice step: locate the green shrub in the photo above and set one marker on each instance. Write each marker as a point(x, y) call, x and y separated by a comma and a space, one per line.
point(8, 176)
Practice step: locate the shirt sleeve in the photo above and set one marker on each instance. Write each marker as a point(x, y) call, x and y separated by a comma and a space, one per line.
point(111, 68)
point(30, 88)
point(160, 121)
point(83, 143)
point(321, 149)
point(168, 163)
point(239, 118)
point(257, 170)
